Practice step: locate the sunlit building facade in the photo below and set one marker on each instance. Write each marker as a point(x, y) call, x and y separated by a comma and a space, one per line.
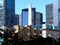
point(1, 15)
point(56, 13)
point(2, 12)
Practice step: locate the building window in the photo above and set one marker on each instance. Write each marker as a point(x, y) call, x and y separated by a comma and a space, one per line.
point(59, 10)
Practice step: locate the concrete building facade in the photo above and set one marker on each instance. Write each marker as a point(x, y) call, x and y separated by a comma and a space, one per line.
point(49, 14)
point(53, 13)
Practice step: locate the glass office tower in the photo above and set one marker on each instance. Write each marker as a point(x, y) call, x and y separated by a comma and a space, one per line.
point(24, 16)
point(7, 9)
point(36, 17)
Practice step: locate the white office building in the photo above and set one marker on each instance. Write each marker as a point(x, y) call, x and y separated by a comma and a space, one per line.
point(56, 13)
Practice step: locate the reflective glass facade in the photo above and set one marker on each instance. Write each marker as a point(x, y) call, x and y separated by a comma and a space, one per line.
point(24, 17)
point(36, 17)
point(9, 11)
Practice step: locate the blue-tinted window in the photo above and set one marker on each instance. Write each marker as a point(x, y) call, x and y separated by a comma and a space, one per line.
point(24, 18)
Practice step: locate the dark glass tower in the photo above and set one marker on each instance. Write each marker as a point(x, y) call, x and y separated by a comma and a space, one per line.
point(9, 11)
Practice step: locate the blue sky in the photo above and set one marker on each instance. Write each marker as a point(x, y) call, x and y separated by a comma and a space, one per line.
point(38, 4)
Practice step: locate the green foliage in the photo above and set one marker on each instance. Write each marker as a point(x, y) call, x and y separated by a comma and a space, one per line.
point(10, 41)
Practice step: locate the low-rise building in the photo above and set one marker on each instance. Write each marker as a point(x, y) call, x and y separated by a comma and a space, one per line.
point(30, 31)
point(50, 33)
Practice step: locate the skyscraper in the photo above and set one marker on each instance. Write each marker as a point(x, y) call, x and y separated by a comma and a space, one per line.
point(53, 13)
point(38, 18)
point(49, 14)
point(15, 19)
point(56, 13)
point(2, 12)
point(8, 9)
point(25, 18)
point(29, 16)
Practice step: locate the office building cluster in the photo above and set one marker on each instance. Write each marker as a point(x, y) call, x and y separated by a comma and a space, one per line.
point(8, 18)
point(29, 16)
point(31, 21)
